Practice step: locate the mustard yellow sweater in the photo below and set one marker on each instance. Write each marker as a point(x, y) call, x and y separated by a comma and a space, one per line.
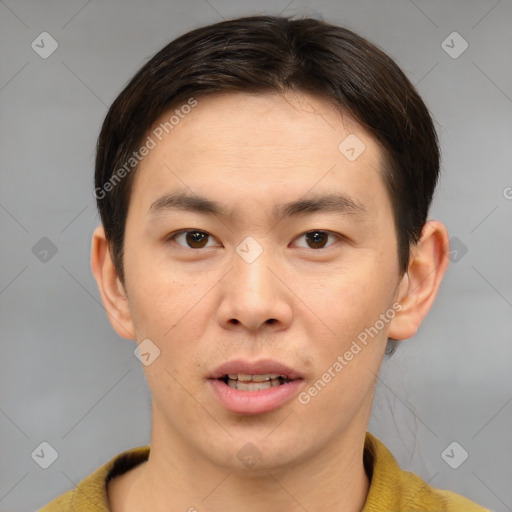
point(391, 489)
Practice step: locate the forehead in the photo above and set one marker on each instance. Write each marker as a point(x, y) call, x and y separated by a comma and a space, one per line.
point(303, 122)
point(260, 146)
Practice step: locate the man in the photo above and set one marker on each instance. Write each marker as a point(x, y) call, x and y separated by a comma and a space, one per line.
point(264, 186)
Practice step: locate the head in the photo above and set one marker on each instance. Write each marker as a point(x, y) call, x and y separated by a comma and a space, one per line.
point(264, 185)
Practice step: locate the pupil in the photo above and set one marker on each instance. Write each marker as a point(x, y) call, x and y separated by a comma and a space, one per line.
point(316, 238)
point(194, 238)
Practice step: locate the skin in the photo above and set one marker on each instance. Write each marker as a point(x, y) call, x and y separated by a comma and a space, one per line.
point(251, 152)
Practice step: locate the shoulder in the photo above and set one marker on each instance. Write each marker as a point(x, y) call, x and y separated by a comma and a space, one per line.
point(392, 488)
point(91, 492)
point(417, 494)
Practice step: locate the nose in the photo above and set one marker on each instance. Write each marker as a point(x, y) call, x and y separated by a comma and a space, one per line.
point(255, 295)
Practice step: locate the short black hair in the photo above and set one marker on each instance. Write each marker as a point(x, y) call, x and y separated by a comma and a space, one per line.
point(258, 54)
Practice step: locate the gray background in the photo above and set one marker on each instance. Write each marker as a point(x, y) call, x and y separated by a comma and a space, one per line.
point(67, 379)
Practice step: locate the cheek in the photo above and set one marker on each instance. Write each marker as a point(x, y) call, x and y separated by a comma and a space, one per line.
point(353, 295)
point(348, 358)
point(159, 296)
point(172, 310)
point(168, 311)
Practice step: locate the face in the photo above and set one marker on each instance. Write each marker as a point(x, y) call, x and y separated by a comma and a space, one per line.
point(286, 266)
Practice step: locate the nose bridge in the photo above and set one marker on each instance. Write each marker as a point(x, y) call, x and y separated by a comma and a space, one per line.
point(252, 294)
point(251, 269)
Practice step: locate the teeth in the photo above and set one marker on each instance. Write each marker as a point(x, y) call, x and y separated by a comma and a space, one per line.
point(253, 385)
point(260, 378)
point(244, 377)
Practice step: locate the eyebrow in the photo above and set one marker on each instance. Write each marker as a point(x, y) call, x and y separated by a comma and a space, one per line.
point(335, 203)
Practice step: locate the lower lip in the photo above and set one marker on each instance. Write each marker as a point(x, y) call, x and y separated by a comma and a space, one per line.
point(254, 402)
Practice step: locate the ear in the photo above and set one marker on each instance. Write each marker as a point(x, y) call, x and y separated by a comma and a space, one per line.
point(420, 284)
point(111, 289)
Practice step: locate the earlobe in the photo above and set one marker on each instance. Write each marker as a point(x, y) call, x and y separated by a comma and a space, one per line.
point(112, 291)
point(419, 286)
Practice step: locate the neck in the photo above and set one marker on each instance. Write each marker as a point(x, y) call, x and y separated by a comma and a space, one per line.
point(177, 477)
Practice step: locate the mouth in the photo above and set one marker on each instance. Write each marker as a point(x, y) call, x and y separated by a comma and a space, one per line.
point(245, 382)
point(244, 387)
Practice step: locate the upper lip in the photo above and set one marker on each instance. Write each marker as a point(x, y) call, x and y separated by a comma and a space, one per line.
point(259, 367)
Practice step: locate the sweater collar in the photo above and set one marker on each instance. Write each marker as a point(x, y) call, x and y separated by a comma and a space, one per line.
point(390, 487)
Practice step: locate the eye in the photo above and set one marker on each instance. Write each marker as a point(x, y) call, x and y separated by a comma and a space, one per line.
point(196, 239)
point(317, 239)
point(192, 239)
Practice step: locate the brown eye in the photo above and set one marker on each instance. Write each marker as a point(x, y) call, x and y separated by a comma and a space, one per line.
point(317, 239)
point(196, 239)
point(192, 239)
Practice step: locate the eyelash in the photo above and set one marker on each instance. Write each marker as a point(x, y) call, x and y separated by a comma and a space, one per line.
point(172, 236)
